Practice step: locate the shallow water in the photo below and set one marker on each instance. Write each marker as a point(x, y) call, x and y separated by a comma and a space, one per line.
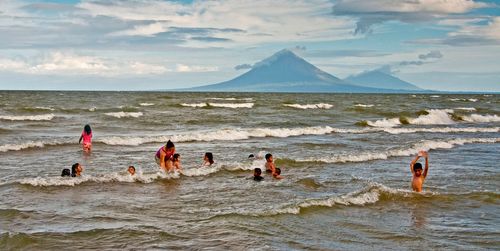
point(345, 159)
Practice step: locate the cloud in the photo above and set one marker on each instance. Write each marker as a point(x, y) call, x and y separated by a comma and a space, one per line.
point(243, 67)
point(432, 54)
point(344, 53)
point(195, 68)
point(60, 63)
point(405, 63)
point(408, 11)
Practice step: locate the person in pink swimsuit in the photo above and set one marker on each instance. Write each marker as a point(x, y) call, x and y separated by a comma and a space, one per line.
point(87, 138)
point(164, 156)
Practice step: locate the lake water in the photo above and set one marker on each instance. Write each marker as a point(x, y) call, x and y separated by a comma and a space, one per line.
point(345, 159)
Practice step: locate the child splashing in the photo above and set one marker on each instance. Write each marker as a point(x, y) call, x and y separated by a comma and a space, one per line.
point(87, 139)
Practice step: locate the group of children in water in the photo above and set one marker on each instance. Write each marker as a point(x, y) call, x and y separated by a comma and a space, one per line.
point(170, 161)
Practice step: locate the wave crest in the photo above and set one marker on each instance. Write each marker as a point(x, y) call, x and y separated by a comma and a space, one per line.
point(43, 117)
point(124, 114)
point(310, 106)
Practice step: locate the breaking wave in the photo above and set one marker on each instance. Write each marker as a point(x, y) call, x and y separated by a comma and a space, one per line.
point(310, 106)
point(232, 99)
point(124, 114)
point(434, 117)
point(146, 104)
point(363, 106)
point(104, 178)
point(424, 145)
point(43, 117)
point(468, 109)
point(223, 105)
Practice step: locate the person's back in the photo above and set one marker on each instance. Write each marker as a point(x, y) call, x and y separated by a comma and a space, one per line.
point(419, 175)
point(87, 138)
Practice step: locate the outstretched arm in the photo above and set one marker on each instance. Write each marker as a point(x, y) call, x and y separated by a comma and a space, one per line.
point(426, 165)
point(413, 162)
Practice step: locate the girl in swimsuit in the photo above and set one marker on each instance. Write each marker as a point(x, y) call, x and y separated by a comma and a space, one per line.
point(164, 156)
point(87, 139)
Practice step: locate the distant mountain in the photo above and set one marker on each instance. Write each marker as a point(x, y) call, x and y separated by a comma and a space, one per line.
point(286, 72)
point(379, 79)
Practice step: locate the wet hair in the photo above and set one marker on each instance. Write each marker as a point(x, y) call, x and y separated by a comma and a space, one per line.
point(87, 129)
point(417, 166)
point(176, 157)
point(257, 171)
point(132, 167)
point(268, 156)
point(66, 172)
point(251, 156)
point(210, 157)
point(73, 169)
point(278, 171)
point(170, 144)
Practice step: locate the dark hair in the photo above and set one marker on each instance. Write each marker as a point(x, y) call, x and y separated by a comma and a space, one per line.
point(175, 157)
point(87, 129)
point(278, 171)
point(268, 156)
point(170, 144)
point(210, 157)
point(73, 169)
point(251, 156)
point(65, 172)
point(132, 167)
point(257, 171)
point(417, 166)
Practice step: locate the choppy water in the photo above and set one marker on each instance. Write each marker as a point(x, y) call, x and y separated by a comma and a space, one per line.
point(345, 159)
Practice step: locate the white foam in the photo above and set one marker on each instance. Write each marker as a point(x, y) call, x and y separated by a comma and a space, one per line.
point(435, 96)
point(435, 117)
point(424, 145)
point(232, 99)
point(362, 105)
point(469, 109)
point(104, 178)
point(44, 108)
point(473, 99)
point(42, 117)
point(464, 99)
point(201, 171)
point(195, 104)
point(224, 135)
point(232, 105)
point(17, 147)
point(124, 114)
point(385, 123)
point(146, 104)
point(369, 195)
point(310, 106)
point(92, 109)
point(440, 130)
point(481, 118)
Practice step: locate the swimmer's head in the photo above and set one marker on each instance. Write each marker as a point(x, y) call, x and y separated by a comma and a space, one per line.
point(176, 157)
point(278, 171)
point(209, 157)
point(251, 156)
point(87, 129)
point(169, 144)
point(66, 172)
point(269, 157)
point(131, 170)
point(417, 168)
point(75, 169)
point(257, 172)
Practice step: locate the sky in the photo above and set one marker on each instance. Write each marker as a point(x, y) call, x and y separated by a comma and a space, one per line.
point(450, 45)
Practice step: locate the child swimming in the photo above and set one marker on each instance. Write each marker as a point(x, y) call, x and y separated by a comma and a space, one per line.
point(257, 174)
point(87, 138)
point(270, 167)
point(208, 159)
point(131, 170)
point(277, 174)
point(416, 169)
point(176, 162)
point(76, 170)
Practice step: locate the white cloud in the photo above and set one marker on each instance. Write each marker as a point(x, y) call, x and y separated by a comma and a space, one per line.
point(195, 68)
point(260, 20)
point(489, 31)
point(63, 63)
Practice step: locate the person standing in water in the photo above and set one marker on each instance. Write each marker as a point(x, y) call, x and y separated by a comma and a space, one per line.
point(416, 169)
point(164, 156)
point(87, 138)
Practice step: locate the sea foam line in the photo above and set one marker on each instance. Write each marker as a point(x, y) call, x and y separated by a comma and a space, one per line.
point(424, 145)
point(310, 106)
point(223, 105)
point(42, 117)
point(124, 114)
